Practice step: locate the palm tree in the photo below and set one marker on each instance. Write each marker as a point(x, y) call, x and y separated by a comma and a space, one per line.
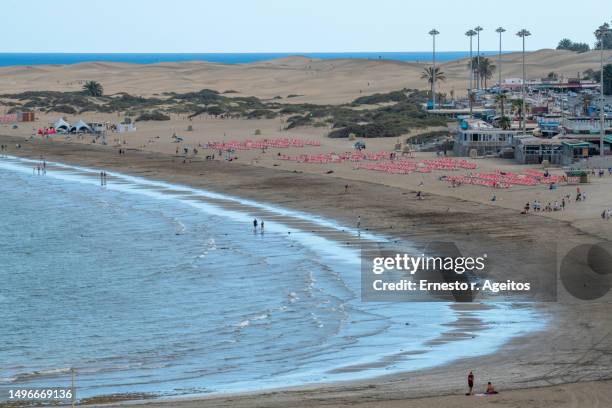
point(486, 70)
point(504, 122)
point(517, 105)
point(483, 68)
point(93, 88)
point(501, 99)
point(429, 73)
point(472, 100)
point(473, 65)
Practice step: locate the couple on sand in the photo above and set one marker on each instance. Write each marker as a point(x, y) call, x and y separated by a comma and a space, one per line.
point(490, 389)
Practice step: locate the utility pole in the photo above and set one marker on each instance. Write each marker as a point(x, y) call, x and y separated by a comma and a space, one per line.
point(471, 34)
point(523, 34)
point(602, 32)
point(433, 33)
point(500, 30)
point(478, 30)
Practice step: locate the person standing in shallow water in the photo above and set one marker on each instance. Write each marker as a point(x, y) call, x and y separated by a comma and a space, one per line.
point(470, 380)
point(255, 224)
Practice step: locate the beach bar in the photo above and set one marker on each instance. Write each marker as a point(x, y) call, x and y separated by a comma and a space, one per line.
point(479, 137)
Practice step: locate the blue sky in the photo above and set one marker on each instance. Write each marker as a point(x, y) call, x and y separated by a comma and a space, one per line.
point(287, 25)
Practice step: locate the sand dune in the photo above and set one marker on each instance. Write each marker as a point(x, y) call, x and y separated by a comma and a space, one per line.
point(316, 80)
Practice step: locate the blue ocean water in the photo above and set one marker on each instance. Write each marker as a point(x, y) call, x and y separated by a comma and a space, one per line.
point(8, 59)
point(145, 286)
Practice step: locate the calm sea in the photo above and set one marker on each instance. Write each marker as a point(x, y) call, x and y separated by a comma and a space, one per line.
point(146, 286)
point(8, 59)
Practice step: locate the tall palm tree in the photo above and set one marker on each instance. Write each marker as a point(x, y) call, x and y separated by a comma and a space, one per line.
point(93, 88)
point(486, 70)
point(429, 73)
point(483, 70)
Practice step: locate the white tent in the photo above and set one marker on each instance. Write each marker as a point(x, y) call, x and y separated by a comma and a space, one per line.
point(80, 126)
point(61, 125)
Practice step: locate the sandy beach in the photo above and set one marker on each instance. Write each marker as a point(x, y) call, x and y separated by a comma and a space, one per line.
point(566, 364)
point(313, 81)
point(574, 349)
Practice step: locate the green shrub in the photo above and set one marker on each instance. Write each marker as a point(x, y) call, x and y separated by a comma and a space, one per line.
point(155, 115)
point(63, 109)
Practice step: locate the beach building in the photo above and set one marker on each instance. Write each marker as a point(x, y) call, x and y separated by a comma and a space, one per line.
point(98, 127)
point(535, 150)
point(549, 125)
point(586, 125)
point(562, 150)
point(539, 85)
point(27, 116)
point(593, 141)
point(576, 150)
point(481, 138)
point(571, 84)
point(455, 113)
point(513, 84)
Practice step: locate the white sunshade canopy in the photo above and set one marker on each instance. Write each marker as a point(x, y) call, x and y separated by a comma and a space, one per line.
point(61, 124)
point(80, 126)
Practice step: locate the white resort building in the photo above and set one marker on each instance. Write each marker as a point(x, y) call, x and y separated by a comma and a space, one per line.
point(478, 138)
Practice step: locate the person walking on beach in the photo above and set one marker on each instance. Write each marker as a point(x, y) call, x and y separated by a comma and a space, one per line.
point(262, 226)
point(255, 224)
point(470, 380)
point(358, 221)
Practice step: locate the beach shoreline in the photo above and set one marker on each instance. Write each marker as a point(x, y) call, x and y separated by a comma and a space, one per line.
point(527, 362)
